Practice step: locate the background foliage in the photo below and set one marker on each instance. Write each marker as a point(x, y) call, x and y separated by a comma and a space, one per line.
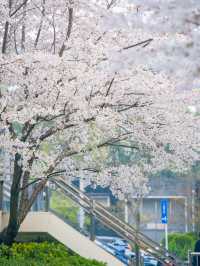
point(179, 244)
point(69, 210)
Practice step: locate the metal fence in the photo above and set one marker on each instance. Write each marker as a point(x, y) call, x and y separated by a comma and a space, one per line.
point(193, 258)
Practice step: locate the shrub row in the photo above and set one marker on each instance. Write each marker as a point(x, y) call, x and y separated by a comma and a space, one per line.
point(180, 243)
point(40, 254)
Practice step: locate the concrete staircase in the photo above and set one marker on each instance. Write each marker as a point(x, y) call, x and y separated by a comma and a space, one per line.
point(49, 223)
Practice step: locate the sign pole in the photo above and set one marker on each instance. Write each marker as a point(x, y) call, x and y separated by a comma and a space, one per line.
point(166, 236)
point(164, 219)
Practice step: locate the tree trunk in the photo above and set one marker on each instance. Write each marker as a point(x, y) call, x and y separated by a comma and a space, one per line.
point(8, 235)
point(17, 215)
point(20, 201)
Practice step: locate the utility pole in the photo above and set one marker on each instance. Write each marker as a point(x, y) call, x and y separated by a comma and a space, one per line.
point(197, 205)
point(1, 195)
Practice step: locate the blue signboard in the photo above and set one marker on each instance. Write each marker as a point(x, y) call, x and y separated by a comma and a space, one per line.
point(164, 206)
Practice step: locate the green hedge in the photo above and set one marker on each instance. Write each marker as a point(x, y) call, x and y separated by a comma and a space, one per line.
point(179, 244)
point(40, 254)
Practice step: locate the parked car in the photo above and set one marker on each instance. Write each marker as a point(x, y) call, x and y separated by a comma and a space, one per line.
point(121, 249)
point(149, 261)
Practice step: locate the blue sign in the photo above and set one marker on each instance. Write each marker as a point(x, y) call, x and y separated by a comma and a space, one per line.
point(164, 205)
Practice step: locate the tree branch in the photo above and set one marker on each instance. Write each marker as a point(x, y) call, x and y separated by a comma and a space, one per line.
point(40, 26)
point(18, 8)
point(143, 43)
point(69, 29)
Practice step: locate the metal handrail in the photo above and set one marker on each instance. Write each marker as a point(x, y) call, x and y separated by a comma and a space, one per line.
point(123, 229)
point(117, 220)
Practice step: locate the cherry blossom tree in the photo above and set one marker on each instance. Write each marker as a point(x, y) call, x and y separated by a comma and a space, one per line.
point(72, 83)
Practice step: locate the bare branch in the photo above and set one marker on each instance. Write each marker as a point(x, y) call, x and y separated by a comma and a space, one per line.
point(18, 8)
point(110, 85)
point(143, 44)
point(69, 29)
point(111, 3)
point(40, 26)
point(5, 38)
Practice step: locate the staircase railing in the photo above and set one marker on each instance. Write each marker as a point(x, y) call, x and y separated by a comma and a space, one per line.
point(120, 227)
